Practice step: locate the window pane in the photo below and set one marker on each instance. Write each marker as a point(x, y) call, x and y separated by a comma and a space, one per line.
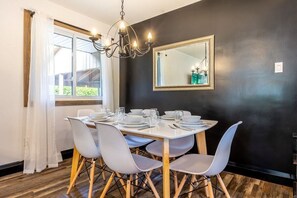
point(88, 72)
point(63, 65)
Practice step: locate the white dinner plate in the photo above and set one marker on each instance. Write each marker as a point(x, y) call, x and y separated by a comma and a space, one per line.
point(166, 117)
point(191, 123)
point(125, 123)
point(139, 114)
point(134, 125)
point(100, 120)
point(193, 126)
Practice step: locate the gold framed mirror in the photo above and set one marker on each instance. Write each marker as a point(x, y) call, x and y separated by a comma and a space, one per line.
point(186, 65)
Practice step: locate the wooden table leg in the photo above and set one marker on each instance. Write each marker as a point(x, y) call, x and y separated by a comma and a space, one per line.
point(201, 142)
point(166, 171)
point(74, 165)
point(202, 149)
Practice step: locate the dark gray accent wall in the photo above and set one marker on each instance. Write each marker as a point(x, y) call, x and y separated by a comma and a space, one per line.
point(249, 37)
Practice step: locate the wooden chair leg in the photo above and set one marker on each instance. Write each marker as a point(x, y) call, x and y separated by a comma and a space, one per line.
point(181, 185)
point(132, 187)
point(175, 181)
point(209, 187)
point(76, 175)
point(152, 185)
point(223, 186)
point(128, 191)
point(145, 181)
point(137, 151)
point(206, 188)
point(92, 173)
point(107, 185)
point(101, 165)
point(121, 181)
point(193, 179)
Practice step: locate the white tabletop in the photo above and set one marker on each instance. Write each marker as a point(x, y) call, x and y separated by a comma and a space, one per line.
point(162, 130)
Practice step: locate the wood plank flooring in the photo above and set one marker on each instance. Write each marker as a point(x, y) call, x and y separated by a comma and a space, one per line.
point(54, 183)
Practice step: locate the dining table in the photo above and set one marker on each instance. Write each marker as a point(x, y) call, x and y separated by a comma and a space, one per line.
point(163, 132)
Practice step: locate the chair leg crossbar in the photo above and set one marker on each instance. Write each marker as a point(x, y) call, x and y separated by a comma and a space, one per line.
point(90, 166)
point(129, 184)
point(200, 184)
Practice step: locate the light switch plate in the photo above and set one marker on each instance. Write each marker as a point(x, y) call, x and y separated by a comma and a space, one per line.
point(278, 67)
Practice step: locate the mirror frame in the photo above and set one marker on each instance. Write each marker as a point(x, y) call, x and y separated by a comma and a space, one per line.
point(211, 69)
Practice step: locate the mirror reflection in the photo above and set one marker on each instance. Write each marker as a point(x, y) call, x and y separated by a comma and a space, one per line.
point(184, 65)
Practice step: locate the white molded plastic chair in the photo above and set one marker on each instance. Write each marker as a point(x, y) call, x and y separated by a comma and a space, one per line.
point(117, 156)
point(207, 165)
point(87, 148)
point(177, 147)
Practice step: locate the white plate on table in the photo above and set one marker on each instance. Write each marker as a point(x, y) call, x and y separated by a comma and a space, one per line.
point(139, 114)
point(193, 126)
point(166, 117)
point(134, 125)
point(192, 123)
point(107, 119)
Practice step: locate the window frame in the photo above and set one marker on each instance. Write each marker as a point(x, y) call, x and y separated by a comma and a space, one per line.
point(27, 23)
point(76, 35)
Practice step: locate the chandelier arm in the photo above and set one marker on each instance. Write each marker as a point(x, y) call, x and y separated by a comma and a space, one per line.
point(97, 47)
point(112, 52)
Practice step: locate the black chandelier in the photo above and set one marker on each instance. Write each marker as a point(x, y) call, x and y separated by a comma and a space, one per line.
point(126, 34)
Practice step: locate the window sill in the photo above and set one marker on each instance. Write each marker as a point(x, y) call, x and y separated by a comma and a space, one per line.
point(77, 102)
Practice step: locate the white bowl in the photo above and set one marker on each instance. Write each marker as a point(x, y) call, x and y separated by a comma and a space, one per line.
point(131, 119)
point(98, 115)
point(136, 111)
point(170, 113)
point(192, 118)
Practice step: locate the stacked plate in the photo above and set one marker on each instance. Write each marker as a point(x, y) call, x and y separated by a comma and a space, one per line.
point(169, 115)
point(133, 122)
point(191, 121)
point(99, 117)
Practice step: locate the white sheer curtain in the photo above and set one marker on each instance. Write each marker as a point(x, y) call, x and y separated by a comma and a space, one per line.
point(107, 82)
point(40, 142)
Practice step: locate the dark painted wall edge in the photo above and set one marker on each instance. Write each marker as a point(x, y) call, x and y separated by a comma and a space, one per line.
point(250, 171)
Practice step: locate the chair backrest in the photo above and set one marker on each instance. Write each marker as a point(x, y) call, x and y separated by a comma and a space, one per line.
point(83, 139)
point(84, 112)
point(115, 150)
point(222, 154)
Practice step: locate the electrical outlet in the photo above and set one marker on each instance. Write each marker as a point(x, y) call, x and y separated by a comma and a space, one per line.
point(278, 67)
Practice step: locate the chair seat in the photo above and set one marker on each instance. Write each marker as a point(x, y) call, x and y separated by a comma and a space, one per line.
point(155, 148)
point(135, 142)
point(195, 164)
point(146, 164)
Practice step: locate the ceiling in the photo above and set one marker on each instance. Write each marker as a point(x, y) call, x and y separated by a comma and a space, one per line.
point(136, 10)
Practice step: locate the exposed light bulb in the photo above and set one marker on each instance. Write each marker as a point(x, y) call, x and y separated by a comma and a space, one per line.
point(134, 44)
point(94, 32)
point(149, 37)
point(122, 26)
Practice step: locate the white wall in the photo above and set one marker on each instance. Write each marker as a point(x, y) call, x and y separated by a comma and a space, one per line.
point(12, 112)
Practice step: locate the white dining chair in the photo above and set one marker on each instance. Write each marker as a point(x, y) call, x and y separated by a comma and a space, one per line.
point(177, 147)
point(87, 148)
point(206, 165)
point(117, 156)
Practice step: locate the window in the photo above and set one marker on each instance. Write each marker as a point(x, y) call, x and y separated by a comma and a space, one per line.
point(77, 67)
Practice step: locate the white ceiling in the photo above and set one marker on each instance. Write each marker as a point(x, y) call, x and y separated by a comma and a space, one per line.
point(136, 10)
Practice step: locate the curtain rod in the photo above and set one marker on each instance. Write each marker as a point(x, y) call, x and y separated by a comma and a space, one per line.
point(61, 23)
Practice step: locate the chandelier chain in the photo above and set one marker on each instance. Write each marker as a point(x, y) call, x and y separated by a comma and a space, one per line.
point(122, 13)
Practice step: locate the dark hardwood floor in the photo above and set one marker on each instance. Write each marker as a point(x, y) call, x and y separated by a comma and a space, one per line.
point(54, 182)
